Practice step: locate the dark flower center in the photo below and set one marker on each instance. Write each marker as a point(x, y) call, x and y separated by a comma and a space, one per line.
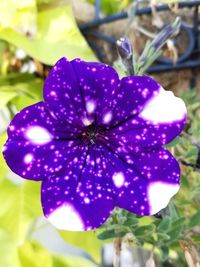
point(92, 133)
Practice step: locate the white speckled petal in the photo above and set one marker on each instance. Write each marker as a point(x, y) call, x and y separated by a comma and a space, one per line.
point(37, 146)
point(81, 91)
point(155, 178)
point(83, 197)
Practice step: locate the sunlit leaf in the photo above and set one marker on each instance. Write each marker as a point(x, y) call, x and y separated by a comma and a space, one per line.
point(57, 36)
point(19, 15)
point(87, 241)
point(69, 261)
point(195, 219)
point(8, 252)
point(4, 168)
point(21, 205)
point(32, 254)
point(164, 224)
point(5, 97)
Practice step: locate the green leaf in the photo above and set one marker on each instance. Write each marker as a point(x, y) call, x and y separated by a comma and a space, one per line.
point(4, 168)
point(8, 252)
point(164, 224)
point(184, 181)
point(15, 87)
point(28, 93)
point(143, 230)
point(19, 15)
point(175, 233)
point(32, 254)
point(5, 97)
point(194, 220)
point(130, 221)
point(57, 36)
point(164, 253)
point(196, 239)
point(69, 261)
point(21, 206)
point(173, 212)
point(111, 234)
point(178, 222)
point(174, 142)
point(87, 241)
point(14, 78)
point(162, 237)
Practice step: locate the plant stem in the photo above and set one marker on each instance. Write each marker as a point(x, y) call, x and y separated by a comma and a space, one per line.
point(117, 248)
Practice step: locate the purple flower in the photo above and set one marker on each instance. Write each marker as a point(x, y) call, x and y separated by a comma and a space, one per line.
point(96, 143)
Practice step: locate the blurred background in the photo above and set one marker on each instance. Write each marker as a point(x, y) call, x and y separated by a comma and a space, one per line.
point(34, 34)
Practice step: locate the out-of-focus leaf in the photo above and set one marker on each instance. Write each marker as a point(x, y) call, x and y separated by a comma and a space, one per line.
point(22, 93)
point(23, 101)
point(184, 181)
point(175, 233)
point(194, 220)
point(4, 168)
point(162, 237)
point(196, 239)
point(8, 252)
point(130, 221)
point(174, 142)
point(14, 78)
point(32, 254)
point(19, 15)
point(110, 7)
point(87, 241)
point(164, 224)
point(143, 230)
point(177, 222)
point(173, 212)
point(5, 97)
point(111, 234)
point(57, 36)
point(145, 220)
point(19, 88)
point(21, 205)
point(28, 93)
point(164, 252)
point(69, 261)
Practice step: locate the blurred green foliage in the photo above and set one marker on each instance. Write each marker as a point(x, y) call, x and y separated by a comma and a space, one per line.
point(46, 36)
point(111, 7)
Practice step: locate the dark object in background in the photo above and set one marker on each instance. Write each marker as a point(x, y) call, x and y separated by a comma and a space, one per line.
point(189, 59)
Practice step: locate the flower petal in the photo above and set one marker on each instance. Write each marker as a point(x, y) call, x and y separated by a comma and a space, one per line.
point(134, 92)
point(160, 121)
point(79, 90)
point(154, 181)
point(98, 84)
point(37, 145)
point(83, 198)
point(62, 93)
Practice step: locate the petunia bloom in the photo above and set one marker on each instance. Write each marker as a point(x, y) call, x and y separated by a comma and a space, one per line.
point(96, 142)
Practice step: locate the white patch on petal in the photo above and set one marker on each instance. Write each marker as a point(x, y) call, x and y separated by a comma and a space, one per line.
point(164, 107)
point(107, 118)
point(12, 128)
point(38, 135)
point(159, 195)
point(4, 148)
point(118, 179)
point(90, 106)
point(66, 218)
point(28, 158)
point(86, 121)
